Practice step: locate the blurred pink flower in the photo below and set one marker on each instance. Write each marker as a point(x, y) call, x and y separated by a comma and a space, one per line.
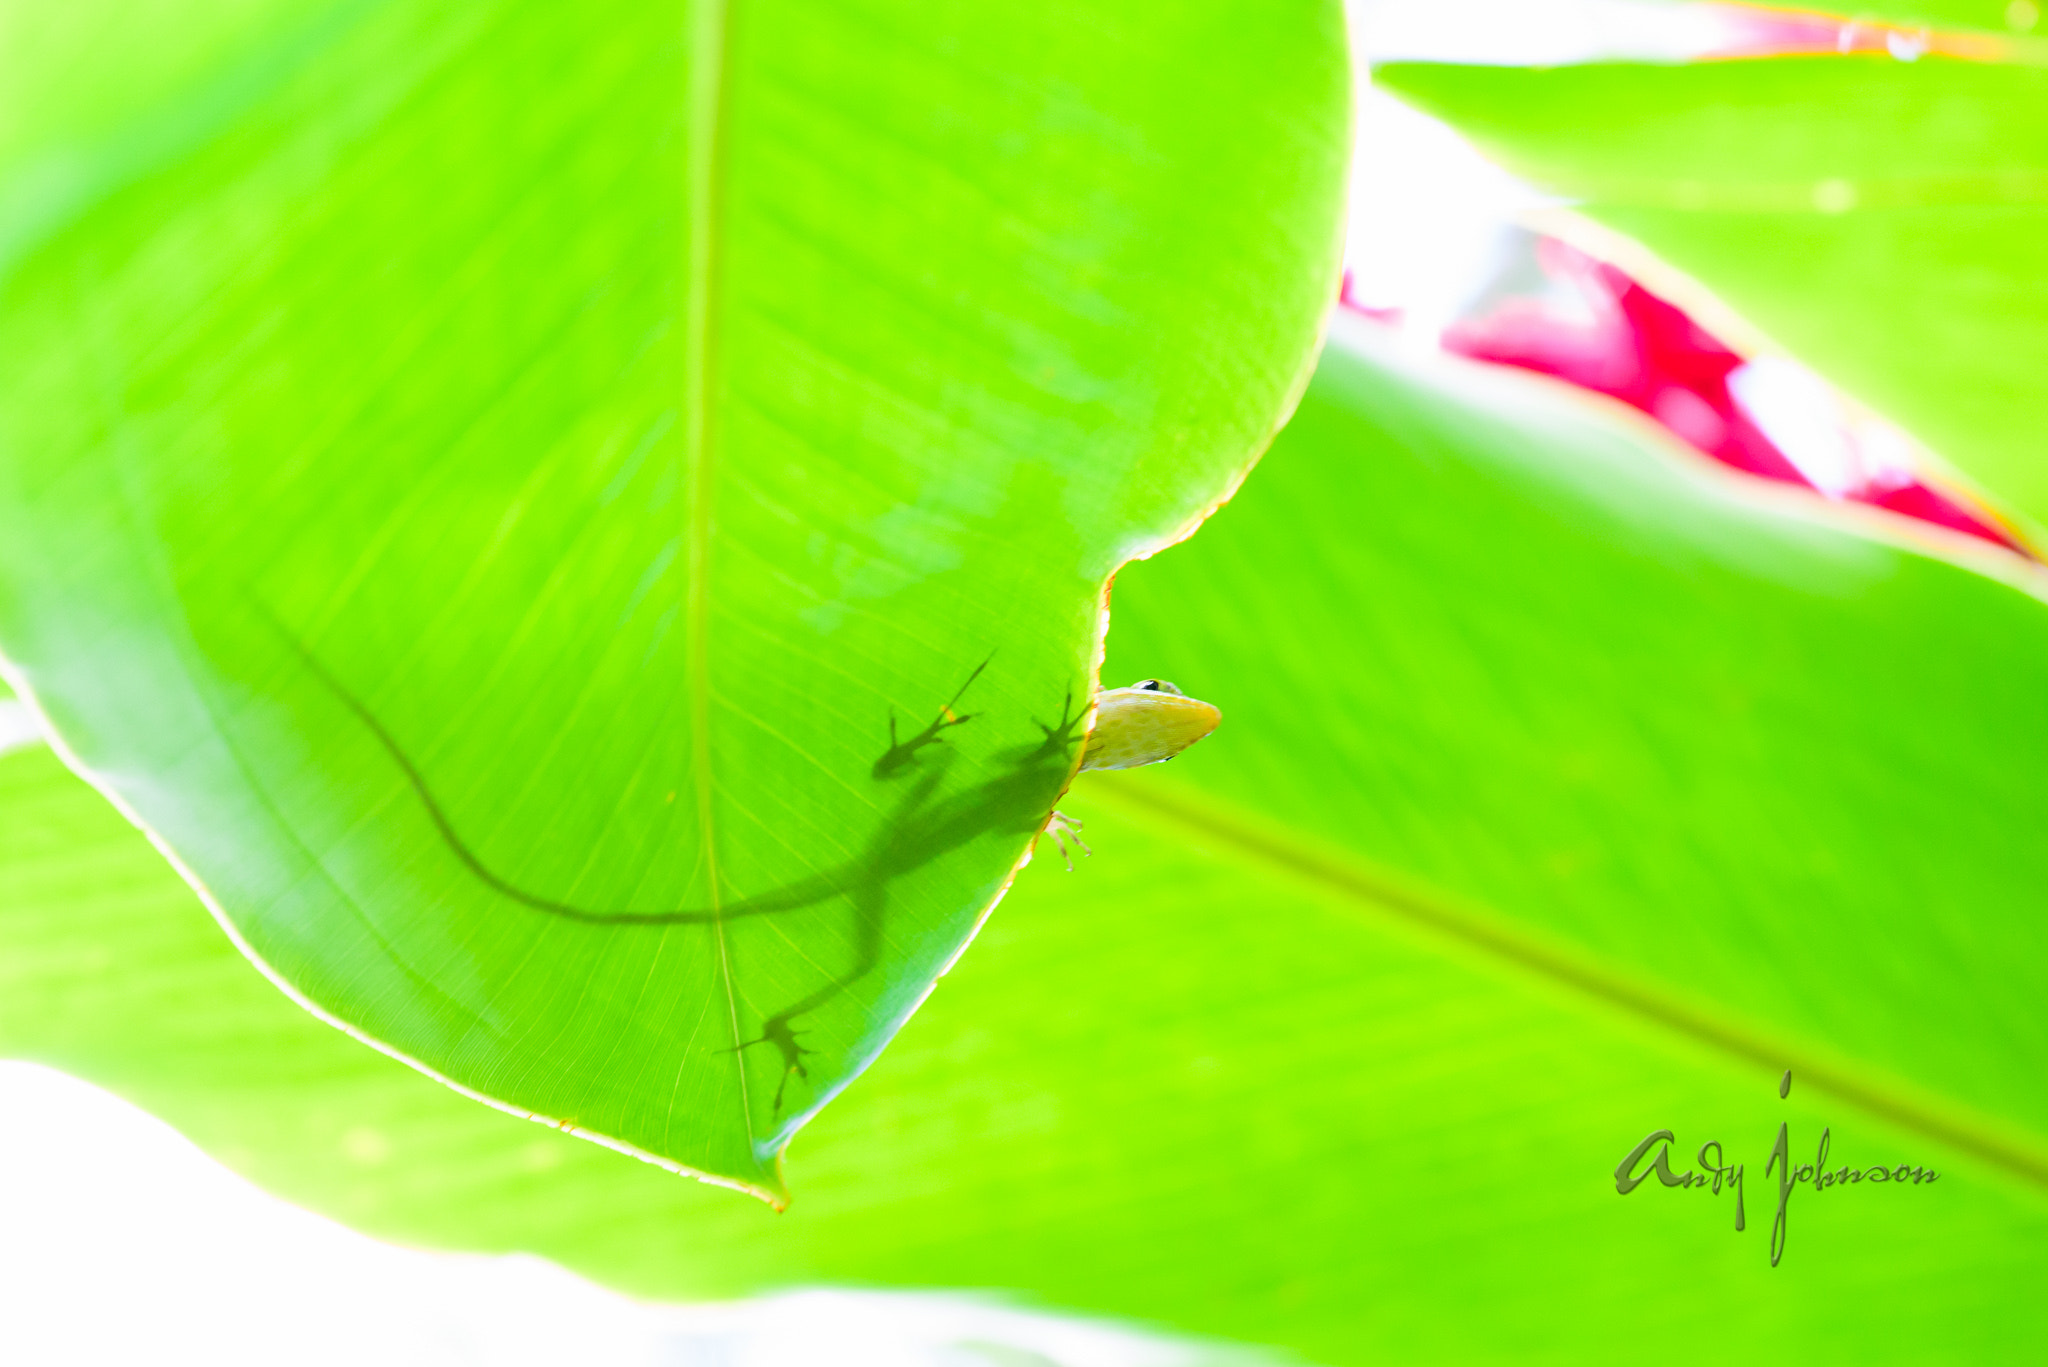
point(1591, 324)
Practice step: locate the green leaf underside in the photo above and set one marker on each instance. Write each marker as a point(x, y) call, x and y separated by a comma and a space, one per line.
point(1926, 298)
point(489, 463)
point(1471, 642)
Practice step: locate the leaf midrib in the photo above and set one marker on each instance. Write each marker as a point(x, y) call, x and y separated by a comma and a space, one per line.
point(707, 122)
point(1353, 880)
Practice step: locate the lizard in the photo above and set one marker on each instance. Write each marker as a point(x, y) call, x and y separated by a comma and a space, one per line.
point(1147, 723)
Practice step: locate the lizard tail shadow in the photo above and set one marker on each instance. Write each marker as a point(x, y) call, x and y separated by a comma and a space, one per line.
point(921, 826)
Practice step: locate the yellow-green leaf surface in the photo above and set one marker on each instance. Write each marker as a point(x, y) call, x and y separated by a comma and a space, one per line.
point(2000, 16)
point(1562, 796)
point(509, 492)
point(1885, 221)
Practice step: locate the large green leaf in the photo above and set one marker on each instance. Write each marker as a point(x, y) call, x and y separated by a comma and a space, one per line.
point(1882, 220)
point(1563, 795)
point(483, 482)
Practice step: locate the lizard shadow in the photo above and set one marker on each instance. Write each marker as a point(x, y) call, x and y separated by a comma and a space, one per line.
point(922, 824)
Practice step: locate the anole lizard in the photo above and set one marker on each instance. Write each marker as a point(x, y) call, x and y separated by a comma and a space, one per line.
point(1146, 723)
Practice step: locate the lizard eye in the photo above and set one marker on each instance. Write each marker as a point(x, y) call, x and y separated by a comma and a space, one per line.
point(1157, 686)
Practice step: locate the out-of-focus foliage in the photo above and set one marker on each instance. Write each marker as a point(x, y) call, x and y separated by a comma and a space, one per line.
point(482, 482)
point(1999, 16)
point(1882, 220)
point(1563, 794)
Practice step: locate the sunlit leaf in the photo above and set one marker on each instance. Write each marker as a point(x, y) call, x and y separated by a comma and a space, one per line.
point(510, 492)
point(1564, 794)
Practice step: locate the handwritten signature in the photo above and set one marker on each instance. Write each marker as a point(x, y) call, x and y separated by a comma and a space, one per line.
point(1714, 1172)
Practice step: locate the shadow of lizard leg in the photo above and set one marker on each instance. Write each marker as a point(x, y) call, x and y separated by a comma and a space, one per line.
point(870, 905)
point(901, 753)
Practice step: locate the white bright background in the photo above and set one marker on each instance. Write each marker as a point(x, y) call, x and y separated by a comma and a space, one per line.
point(121, 1243)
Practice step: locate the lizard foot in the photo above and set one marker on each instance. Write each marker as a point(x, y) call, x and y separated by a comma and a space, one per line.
point(1063, 828)
point(776, 1031)
point(902, 752)
point(1061, 736)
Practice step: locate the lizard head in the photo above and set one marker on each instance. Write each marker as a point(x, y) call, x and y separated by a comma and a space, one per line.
point(1148, 722)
